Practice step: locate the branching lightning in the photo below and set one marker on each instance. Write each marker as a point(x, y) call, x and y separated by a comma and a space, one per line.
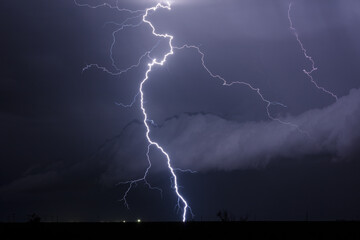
point(107, 5)
point(308, 57)
point(130, 104)
point(257, 90)
point(146, 120)
point(143, 179)
point(143, 14)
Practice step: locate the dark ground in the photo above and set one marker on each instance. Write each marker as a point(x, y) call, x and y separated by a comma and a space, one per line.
point(224, 230)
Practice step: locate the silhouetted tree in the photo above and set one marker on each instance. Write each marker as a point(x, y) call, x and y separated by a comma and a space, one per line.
point(34, 218)
point(223, 215)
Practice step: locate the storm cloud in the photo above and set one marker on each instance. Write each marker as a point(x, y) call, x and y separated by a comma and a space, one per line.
point(207, 142)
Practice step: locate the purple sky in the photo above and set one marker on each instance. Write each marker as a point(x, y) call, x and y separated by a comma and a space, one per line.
point(65, 143)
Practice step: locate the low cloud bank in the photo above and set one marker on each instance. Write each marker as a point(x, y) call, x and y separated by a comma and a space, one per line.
point(205, 142)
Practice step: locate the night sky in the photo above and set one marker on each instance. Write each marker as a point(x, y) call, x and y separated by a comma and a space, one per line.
point(65, 143)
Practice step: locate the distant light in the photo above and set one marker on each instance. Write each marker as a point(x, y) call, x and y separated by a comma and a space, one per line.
point(124, 221)
point(139, 220)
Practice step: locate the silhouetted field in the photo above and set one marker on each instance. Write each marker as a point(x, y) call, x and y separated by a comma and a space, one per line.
point(174, 230)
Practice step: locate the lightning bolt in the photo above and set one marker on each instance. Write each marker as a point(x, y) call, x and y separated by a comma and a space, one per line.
point(150, 67)
point(308, 57)
point(146, 120)
point(181, 201)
